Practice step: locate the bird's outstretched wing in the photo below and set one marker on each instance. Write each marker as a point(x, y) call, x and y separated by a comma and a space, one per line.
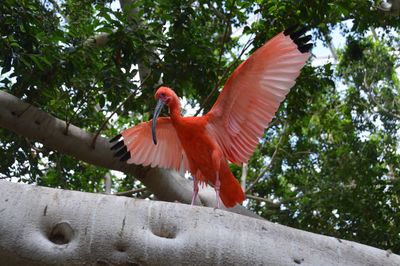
point(137, 147)
point(253, 93)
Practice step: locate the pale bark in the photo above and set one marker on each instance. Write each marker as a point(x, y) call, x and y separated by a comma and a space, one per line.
point(392, 6)
point(45, 226)
point(144, 70)
point(107, 183)
point(329, 43)
point(32, 123)
point(99, 40)
point(244, 176)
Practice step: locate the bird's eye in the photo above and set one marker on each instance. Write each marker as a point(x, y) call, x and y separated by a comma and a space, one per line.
point(162, 94)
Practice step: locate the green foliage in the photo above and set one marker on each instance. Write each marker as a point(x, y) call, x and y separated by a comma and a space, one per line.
point(329, 159)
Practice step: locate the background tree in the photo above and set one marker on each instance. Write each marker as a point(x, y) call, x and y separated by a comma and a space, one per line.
point(327, 164)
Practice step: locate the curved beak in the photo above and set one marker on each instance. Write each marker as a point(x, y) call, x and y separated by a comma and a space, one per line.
point(157, 111)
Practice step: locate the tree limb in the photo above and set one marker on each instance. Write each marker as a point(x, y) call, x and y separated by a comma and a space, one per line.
point(218, 83)
point(41, 226)
point(93, 144)
point(99, 40)
point(270, 162)
point(393, 7)
point(243, 178)
point(144, 70)
point(107, 183)
point(372, 99)
point(130, 192)
point(329, 43)
point(268, 201)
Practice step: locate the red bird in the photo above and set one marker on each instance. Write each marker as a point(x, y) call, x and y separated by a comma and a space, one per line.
point(230, 131)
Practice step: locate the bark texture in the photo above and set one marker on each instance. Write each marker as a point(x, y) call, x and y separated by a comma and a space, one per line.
point(30, 122)
point(45, 226)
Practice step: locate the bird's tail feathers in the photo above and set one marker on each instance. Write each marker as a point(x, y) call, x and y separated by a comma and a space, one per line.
point(231, 192)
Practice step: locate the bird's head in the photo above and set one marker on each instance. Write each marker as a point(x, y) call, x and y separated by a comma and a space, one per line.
point(164, 96)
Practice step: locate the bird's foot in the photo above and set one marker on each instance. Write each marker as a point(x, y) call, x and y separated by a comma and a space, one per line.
point(195, 190)
point(217, 188)
point(194, 198)
point(218, 204)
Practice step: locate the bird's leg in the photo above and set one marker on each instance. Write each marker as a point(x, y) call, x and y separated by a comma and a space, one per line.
point(216, 161)
point(195, 189)
point(217, 187)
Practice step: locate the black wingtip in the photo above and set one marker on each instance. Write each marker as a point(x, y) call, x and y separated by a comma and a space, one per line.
point(303, 40)
point(117, 137)
point(291, 29)
point(297, 36)
point(125, 157)
point(305, 48)
point(121, 152)
point(118, 145)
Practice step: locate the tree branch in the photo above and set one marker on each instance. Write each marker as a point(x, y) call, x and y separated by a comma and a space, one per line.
point(227, 32)
point(268, 201)
point(247, 45)
point(217, 13)
point(372, 99)
point(270, 162)
point(393, 7)
point(99, 40)
point(130, 192)
point(243, 178)
point(107, 183)
point(75, 228)
point(330, 46)
point(93, 144)
point(144, 70)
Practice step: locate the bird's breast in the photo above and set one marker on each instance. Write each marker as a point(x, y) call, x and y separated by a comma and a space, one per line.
point(196, 141)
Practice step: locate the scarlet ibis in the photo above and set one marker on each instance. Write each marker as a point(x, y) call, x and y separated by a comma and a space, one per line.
point(230, 131)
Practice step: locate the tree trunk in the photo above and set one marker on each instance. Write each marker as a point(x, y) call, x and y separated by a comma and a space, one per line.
point(45, 226)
